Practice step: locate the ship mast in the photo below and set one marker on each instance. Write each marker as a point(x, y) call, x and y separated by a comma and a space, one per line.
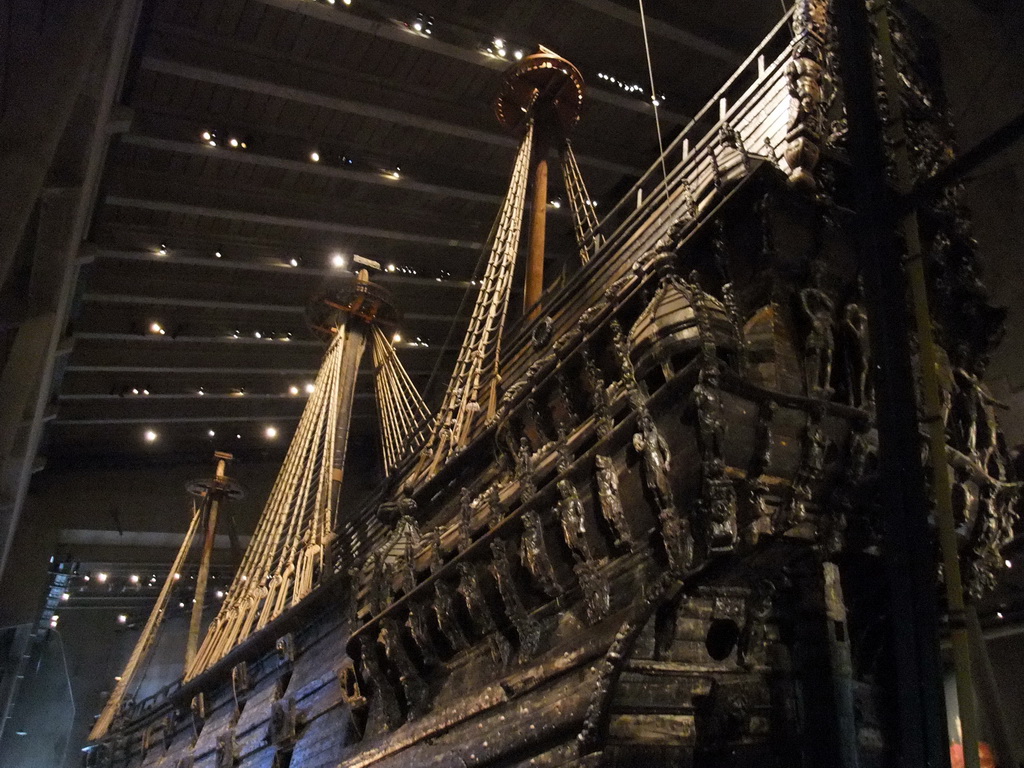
point(211, 491)
point(546, 91)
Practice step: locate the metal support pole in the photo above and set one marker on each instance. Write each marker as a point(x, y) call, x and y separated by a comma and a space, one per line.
point(538, 220)
point(908, 541)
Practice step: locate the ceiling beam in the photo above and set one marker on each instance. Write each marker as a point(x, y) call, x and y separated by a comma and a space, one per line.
point(315, 169)
point(398, 34)
point(286, 221)
point(195, 396)
point(234, 306)
point(189, 419)
point(663, 29)
point(384, 278)
point(211, 371)
point(363, 109)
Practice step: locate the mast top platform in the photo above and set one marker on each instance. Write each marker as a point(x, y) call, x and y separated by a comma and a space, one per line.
point(329, 309)
point(544, 83)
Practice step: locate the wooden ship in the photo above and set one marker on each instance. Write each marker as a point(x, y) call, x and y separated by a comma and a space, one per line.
point(645, 524)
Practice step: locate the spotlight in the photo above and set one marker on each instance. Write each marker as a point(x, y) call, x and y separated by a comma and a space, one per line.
point(314, 156)
point(134, 578)
point(101, 577)
point(293, 389)
point(207, 135)
point(233, 142)
point(150, 436)
point(155, 328)
point(294, 262)
point(177, 576)
point(218, 255)
point(271, 432)
point(210, 433)
point(396, 338)
point(309, 389)
point(337, 261)
point(122, 619)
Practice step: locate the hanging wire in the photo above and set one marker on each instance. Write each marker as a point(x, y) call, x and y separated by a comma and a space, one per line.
point(654, 95)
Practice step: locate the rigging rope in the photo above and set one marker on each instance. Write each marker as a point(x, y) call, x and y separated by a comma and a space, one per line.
point(287, 551)
point(461, 402)
point(403, 414)
point(148, 635)
point(584, 218)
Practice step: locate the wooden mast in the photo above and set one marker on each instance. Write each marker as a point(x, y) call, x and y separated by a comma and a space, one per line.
point(548, 90)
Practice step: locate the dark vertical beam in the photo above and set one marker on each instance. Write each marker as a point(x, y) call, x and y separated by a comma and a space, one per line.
point(909, 543)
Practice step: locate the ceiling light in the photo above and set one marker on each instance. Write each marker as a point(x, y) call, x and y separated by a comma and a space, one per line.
point(396, 338)
point(220, 594)
point(337, 260)
point(294, 262)
point(177, 576)
point(135, 391)
point(257, 334)
point(233, 142)
point(999, 614)
point(64, 597)
point(418, 26)
point(293, 389)
point(270, 432)
point(134, 578)
point(200, 392)
point(655, 102)
point(314, 156)
point(391, 267)
point(162, 250)
point(396, 174)
point(243, 145)
point(210, 433)
point(556, 204)
point(347, 2)
point(1007, 562)
point(101, 577)
point(155, 328)
point(207, 135)
point(238, 437)
point(518, 55)
point(212, 143)
point(309, 388)
point(145, 391)
point(218, 255)
point(150, 436)
point(181, 605)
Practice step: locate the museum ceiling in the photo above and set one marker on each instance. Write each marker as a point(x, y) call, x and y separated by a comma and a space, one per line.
point(268, 143)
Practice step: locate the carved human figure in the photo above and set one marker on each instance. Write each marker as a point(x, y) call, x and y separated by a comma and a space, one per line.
point(855, 329)
point(653, 449)
point(611, 503)
point(819, 345)
point(572, 516)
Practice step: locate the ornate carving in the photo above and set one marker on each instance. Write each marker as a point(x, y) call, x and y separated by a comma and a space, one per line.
point(654, 452)
point(373, 672)
point(527, 628)
point(595, 588)
point(419, 628)
point(465, 519)
point(806, 75)
point(535, 555)
point(573, 519)
point(858, 367)
point(819, 344)
point(524, 471)
point(611, 504)
point(435, 549)
point(598, 393)
point(444, 609)
point(480, 610)
point(413, 687)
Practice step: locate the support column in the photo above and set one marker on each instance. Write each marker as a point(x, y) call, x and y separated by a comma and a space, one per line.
point(210, 523)
point(909, 545)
